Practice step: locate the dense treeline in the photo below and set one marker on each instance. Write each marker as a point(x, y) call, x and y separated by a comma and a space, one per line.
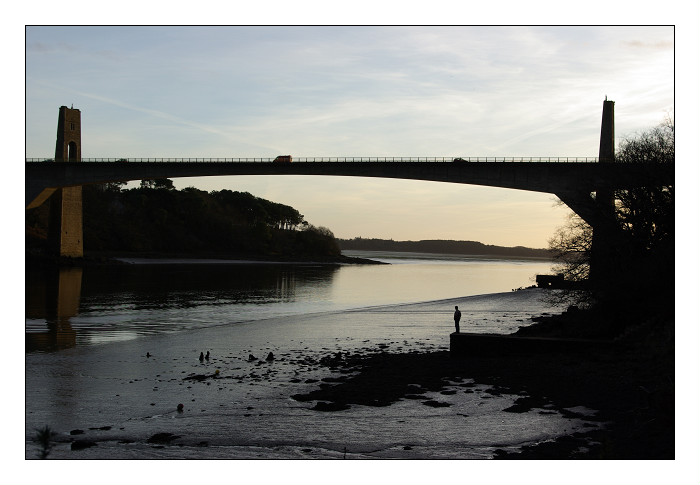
point(443, 247)
point(631, 295)
point(156, 219)
point(640, 266)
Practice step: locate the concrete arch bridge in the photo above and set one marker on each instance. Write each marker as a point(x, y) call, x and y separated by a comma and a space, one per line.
point(584, 184)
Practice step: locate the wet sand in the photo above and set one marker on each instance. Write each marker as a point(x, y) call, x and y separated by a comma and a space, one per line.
point(133, 388)
point(632, 392)
point(325, 391)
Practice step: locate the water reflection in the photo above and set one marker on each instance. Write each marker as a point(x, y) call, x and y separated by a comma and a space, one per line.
point(52, 294)
point(74, 306)
point(149, 287)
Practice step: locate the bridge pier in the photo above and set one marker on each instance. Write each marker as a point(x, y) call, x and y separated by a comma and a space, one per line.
point(602, 265)
point(598, 210)
point(65, 235)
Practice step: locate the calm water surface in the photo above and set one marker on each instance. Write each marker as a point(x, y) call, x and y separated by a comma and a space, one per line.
point(98, 304)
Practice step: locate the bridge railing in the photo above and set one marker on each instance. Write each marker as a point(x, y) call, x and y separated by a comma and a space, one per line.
point(340, 160)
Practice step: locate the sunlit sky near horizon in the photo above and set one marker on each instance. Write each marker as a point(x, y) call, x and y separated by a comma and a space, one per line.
point(355, 91)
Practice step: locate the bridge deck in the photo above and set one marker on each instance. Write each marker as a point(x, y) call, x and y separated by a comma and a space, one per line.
point(338, 159)
point(563, 177)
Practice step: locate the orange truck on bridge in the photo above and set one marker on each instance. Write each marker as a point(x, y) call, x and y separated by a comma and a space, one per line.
point(283, 159)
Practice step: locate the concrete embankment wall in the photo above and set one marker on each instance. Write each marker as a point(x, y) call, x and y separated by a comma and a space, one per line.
point(469, 344)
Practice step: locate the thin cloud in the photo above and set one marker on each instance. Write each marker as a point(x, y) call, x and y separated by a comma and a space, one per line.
point(661, 45)
point(152, 112)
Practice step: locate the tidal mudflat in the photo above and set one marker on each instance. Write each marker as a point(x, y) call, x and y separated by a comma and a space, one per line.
point(278, 388)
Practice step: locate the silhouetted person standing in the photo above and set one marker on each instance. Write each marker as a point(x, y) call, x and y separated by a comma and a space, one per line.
point(458, 317)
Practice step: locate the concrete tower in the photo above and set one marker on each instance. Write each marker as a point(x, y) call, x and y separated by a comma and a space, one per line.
point(66, 221)
point(606, 151)
point(68, 135)
point(603, 258)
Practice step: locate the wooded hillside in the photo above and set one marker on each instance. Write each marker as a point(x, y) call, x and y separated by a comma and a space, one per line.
point(442, 247)
point(156, 219)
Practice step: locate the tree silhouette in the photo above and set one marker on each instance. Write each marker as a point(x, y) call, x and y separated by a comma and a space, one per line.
point(155, 219)
point(157, 184)
point(646, 235)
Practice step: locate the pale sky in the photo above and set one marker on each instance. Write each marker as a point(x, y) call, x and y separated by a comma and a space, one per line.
point(355, 91)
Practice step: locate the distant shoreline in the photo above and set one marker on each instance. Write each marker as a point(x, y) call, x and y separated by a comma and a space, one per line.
point(118, 257)
point(456, 256)
point(445, 247)
point(114, 257)
point(195, 260)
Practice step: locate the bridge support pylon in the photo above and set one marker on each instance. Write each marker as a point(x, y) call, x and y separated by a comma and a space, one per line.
point(602, 265)
point(598, 209)
point(65, 235)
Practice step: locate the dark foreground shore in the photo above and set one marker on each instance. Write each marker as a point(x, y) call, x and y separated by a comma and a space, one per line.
point(632, 390)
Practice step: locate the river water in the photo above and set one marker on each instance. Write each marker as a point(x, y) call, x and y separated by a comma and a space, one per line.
point(99, 304)
point(109, 349)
